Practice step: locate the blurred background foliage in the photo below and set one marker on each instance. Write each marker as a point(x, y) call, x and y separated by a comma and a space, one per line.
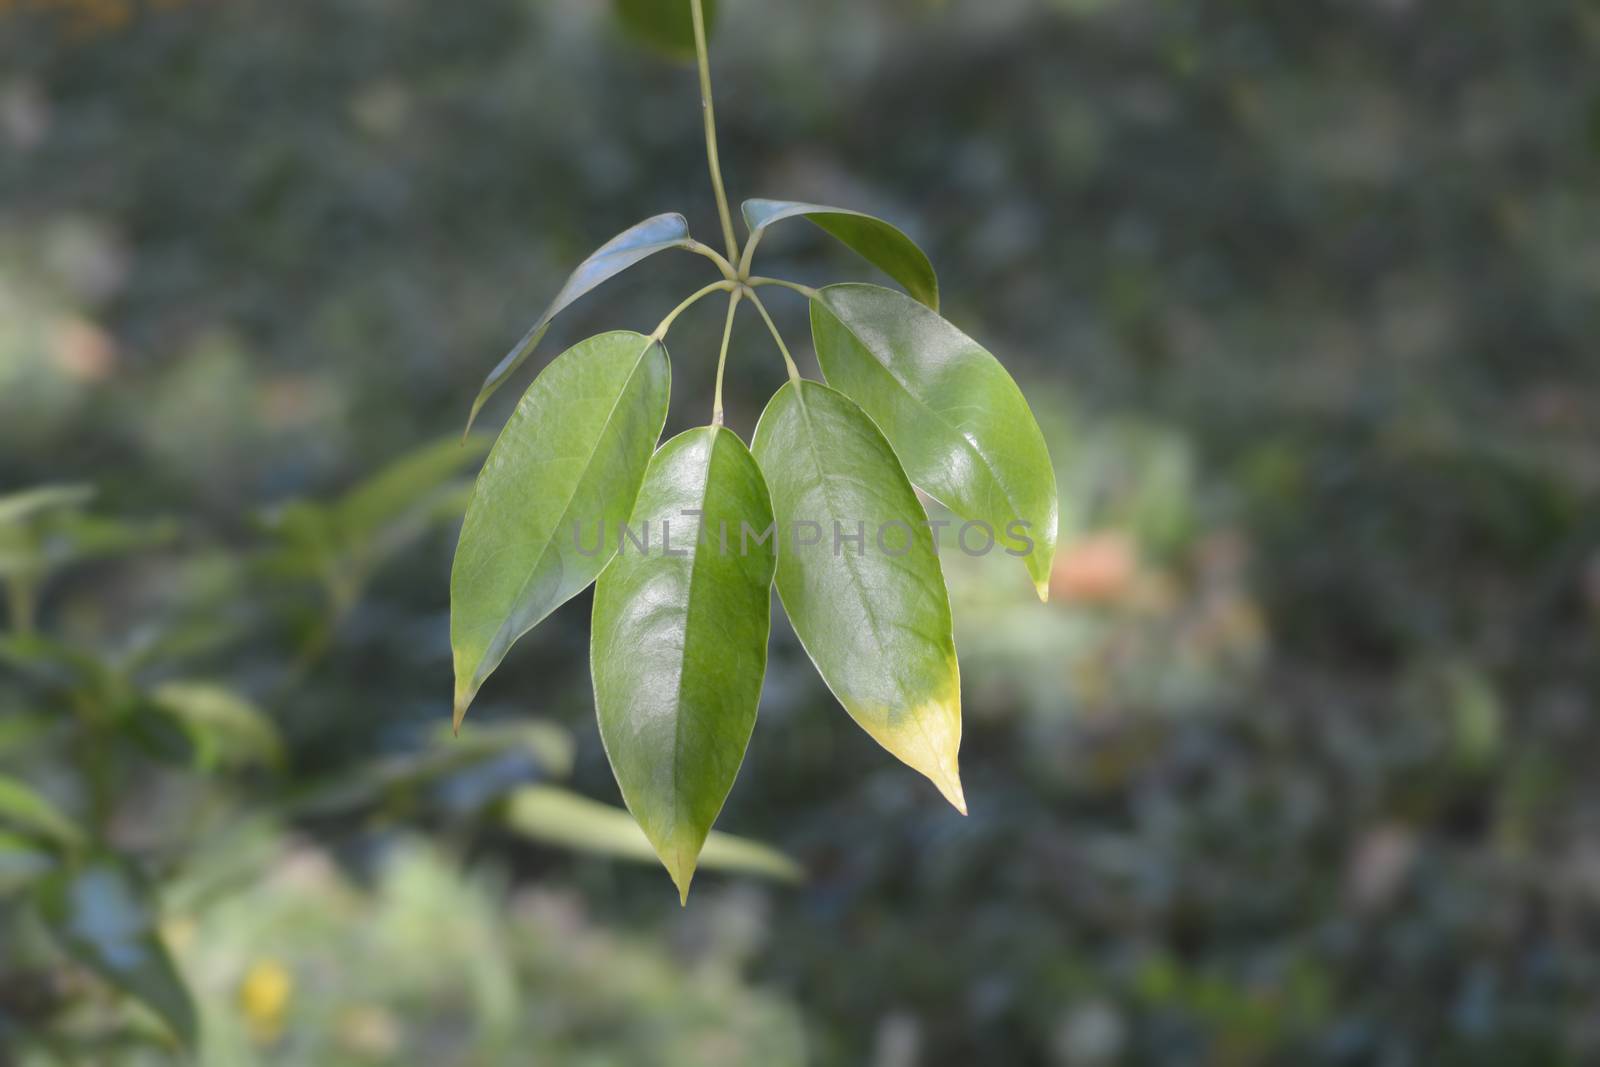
point(1295, 764)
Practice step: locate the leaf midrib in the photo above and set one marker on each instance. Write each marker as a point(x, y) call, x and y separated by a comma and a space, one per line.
point(683, 658)
point(822, 483)
point(856, 584)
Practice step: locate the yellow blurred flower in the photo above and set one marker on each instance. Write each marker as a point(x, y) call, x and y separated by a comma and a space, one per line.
point(264, 998)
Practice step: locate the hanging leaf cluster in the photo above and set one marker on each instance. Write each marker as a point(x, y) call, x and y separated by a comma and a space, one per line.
point(684, 541)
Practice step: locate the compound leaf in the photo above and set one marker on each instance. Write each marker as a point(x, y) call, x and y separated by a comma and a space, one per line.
point(655, 234)
point(874, 240)
point(859, 575)
point(954, 416)
point(570, 458)
point(679, 644)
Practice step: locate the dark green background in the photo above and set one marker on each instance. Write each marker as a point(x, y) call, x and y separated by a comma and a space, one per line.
point(1306, 297)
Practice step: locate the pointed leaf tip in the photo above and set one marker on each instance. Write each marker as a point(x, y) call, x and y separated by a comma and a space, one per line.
point(948, 781)
point(571, 458)
point(682, 876)
point(679, 644)
point(556, 817)
point(655, 234)
point(957, 799)
point(956, 419)
point(1043, 589)
point(878, 242)
point(825, 461)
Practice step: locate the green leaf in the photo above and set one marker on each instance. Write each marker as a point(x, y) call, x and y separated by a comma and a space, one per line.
point(956, 419)
point(22, 861)
point(76, 538)
point(879, 243)
point(571, 456)
point(653, 235)
point(679, 645)
point(557, 817)
point(24, 555)
point(100, 914)
point(56, 665)
point(874, 615)
point(16, 507)
point(547, 745)
point(50, 541)
point(384, 508)
point(226, 730)
point(664, 24)
point(24, 809)
point(22, 730)
point(340, 545)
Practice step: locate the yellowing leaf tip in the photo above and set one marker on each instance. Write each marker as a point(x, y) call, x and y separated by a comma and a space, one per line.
point(949, 784)
point(1043, 589)
point(681, 868)
point(927, 739)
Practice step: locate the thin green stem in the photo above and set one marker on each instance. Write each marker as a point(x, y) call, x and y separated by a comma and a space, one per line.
point(749, 257)
point(714, 256)
point(690, 301)
point(788, 360)
point(703, 58)
point(722, 357)
point(804, 290)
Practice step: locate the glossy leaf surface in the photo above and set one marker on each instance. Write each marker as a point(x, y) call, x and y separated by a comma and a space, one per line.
point(555, 816)
point(680, 640)
point(100, 914)
point(570, 458)
point(954, 416)
point(874, 615)
point(655, 234)
point(876, 241)
point(664, 24)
